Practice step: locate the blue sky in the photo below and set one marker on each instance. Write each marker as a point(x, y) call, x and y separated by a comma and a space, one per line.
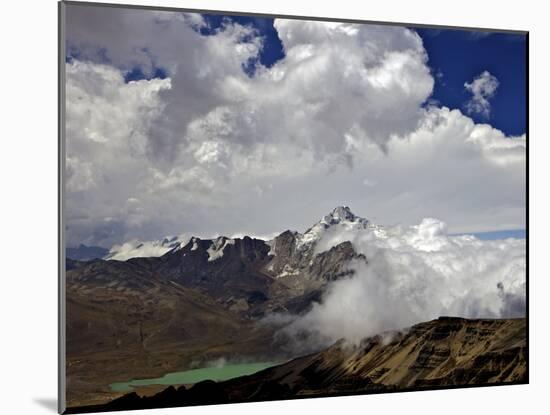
point(457, 56)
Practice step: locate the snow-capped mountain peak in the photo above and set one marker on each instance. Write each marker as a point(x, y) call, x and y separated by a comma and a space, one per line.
point(342, 214)
point(340, 217)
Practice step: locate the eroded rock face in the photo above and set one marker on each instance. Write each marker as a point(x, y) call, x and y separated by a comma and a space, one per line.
point(289, 261)
point(333, 264)
point(222, 267)
point(301, 275)
point(296, 254)
point(255, 277)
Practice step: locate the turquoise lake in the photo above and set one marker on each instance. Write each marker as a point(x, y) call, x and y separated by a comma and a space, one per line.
point(222, 373)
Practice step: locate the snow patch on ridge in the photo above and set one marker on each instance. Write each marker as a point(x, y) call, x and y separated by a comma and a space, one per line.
point(138, 249)
point(271, 243)
point(287, 271)
point(215, 251)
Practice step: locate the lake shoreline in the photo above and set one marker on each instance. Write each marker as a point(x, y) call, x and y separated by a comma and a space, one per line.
point(217, 373)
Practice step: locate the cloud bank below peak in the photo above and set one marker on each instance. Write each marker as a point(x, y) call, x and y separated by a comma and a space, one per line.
point(414, 274)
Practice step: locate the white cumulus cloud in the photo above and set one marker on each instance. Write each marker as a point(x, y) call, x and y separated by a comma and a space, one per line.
point(210, 150)
point(482, 88)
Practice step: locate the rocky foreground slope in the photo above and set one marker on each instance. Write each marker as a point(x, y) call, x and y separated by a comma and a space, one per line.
point(439, 353)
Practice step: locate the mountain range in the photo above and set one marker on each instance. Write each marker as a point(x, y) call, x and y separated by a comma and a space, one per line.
point(86, 253)
point(207, 299)
point(201, 300)
point(247, 275)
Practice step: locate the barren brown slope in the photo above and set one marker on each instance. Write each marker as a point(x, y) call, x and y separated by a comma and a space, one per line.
point(125, 322)
point(443, 352)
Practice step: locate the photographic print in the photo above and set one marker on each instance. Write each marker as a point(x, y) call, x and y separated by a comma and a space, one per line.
point(259, 208)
